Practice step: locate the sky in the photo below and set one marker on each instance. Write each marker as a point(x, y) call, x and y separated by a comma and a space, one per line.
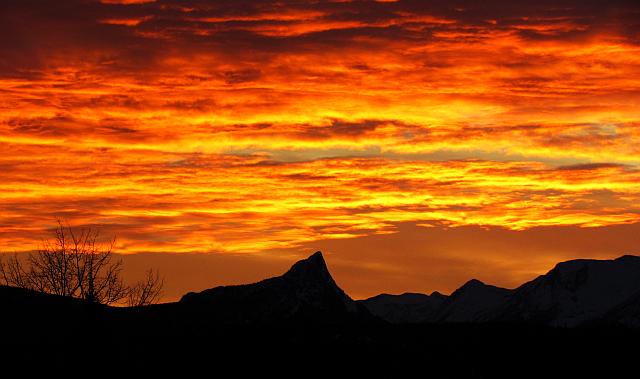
point(418, 144)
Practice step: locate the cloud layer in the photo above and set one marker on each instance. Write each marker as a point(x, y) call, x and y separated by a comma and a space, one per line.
point(248, 127)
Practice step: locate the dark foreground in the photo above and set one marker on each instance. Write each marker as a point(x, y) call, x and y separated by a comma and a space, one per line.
point(111, 345)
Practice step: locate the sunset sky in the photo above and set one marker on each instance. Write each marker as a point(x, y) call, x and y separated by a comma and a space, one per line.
point(418, 144)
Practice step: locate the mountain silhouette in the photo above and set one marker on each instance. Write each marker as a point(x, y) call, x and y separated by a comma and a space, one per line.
point(474, 301)
point(303, 321)
point(305, 293)
point(573, 293)
point(405, 308)
point(626, 314)
point(576, 292)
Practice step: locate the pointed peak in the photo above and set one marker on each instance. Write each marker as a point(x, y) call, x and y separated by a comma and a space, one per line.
point(475, 286)
point(316, 257)
point(311, 277)
point(473, 283)
point(437, 295)
point(313, 265)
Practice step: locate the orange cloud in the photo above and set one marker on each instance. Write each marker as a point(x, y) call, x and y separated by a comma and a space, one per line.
point(126, 1)
point(247, 127)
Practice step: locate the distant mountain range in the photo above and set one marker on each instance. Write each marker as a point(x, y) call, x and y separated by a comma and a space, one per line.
point(574, 293)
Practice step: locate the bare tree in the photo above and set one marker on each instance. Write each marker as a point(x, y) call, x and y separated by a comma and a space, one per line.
point(76, 264)
point(146, 291)
point(13, 273)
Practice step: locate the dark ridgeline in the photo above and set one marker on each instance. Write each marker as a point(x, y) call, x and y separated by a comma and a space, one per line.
point(405, 308)
point(582, 292)
point(303, 318)
point(305, 294)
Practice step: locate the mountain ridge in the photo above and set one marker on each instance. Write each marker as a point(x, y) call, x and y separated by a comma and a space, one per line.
point(306, 293)
point(573, 293)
